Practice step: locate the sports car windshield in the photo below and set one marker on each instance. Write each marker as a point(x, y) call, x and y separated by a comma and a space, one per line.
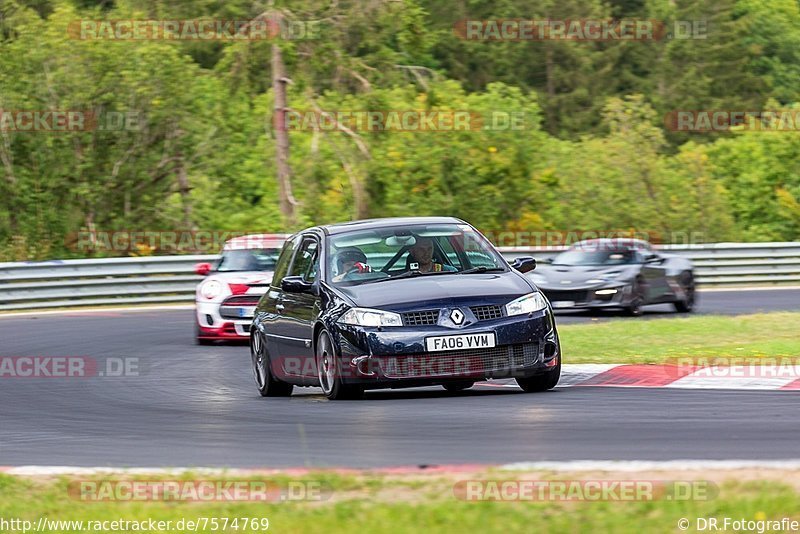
point(393, 253)
point(596, 257)
point(248, 260)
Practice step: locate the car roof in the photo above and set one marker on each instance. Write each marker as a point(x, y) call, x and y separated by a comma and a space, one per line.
point(371, 224)
point(255, 241)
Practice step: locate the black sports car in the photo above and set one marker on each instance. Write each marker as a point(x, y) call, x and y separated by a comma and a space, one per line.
point(616, 273)
point(391, 303)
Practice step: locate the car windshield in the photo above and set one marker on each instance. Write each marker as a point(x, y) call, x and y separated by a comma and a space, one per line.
point(262, 259)
point(400, 252)
point(621, 256)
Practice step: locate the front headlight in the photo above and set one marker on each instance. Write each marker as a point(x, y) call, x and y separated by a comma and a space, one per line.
point(370, 317)
point(211, 289)
point(530, 303)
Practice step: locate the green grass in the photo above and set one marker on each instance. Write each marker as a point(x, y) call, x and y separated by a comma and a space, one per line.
point(659, 340)
point(390, 505)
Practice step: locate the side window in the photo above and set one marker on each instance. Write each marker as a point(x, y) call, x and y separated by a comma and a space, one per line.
point(305, 261)
point(284, 260)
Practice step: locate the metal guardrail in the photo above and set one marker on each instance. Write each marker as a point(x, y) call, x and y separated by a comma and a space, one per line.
point(171, 279)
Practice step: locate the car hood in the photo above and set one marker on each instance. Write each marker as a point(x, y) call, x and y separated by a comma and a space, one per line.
point(577, 276)
point(244, 277)
point(438, 291)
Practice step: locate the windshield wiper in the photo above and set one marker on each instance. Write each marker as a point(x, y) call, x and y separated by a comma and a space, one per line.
point(407, 274)
point(482, 269)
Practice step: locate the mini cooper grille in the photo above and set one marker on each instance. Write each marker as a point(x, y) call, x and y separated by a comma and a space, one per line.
point(242, 300)
point(485, 313)
point(421, 318)
point(468, 363)
point(229, 309)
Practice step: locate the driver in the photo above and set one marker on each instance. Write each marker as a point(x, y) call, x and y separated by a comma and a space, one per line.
point(350, 260)
point(421, 254)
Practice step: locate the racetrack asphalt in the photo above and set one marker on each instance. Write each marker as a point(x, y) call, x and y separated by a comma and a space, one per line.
point(198, 406)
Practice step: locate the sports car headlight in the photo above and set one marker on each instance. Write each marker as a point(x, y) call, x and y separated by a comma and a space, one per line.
point(528, 304)
point(211, 289)
point(370, 317)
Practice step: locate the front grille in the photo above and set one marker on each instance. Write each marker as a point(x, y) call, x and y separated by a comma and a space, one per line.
point(421, 318)
point(486, 313)
point(557, 295)
point(242, 300)
point(229, 309)
point(467, 363)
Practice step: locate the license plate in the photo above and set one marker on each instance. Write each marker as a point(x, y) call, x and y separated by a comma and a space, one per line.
point(485, 340)
point(564, 304)
point(247, 311)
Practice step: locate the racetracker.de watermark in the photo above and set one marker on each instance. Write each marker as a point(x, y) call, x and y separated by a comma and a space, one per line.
point(65, 121)
point(263, 29)
point(162, 241)
point(736, 367)
point(57, 367)
point(566, 238)
point(585, 490)
point(718, 120)
point(203, 490)
point(518, 29)
point(399, 120)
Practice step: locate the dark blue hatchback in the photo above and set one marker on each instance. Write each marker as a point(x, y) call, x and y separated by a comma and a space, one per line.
point(405, 302)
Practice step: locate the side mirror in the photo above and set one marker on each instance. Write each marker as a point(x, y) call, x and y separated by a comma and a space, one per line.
point(202, 269)
point(295, 284)
point(652, 258)
point(524, 264)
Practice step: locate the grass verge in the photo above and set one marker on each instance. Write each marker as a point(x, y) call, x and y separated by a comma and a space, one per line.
point(377, 503)
point(659, 340)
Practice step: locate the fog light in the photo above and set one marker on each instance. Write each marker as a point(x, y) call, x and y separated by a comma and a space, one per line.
point(362, 365)
point(549, 350)
point(605, 292)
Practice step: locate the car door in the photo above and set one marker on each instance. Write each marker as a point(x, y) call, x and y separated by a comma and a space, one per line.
point(270, 309)
point(300, 310)
point(654, 273)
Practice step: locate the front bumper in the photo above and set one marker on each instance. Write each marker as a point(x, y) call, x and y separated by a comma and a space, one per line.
point(212, 325)
point(610, 296)
point(396, 356)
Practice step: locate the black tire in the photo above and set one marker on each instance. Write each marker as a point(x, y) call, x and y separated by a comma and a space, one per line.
point(634, 309)
point(199, 340)
point(542, 382)
point(687, 304)
point(268, 385)
point(454, 387)
point(329, 371)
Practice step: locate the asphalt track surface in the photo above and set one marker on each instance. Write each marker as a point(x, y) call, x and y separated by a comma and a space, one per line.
point(197, 406)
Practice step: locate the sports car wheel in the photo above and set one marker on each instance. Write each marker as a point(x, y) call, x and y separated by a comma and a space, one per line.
point(687, 304)
point(454, 387)
point(541, 382)
point(634, 309)
point(268, 385)
point(329, 372)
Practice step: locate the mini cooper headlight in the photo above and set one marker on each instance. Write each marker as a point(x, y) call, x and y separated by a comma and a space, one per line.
point(211, 289)
point(528, 304)
point(370, 317)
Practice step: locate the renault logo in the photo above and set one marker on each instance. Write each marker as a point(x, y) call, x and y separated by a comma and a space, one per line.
point(457, 316)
